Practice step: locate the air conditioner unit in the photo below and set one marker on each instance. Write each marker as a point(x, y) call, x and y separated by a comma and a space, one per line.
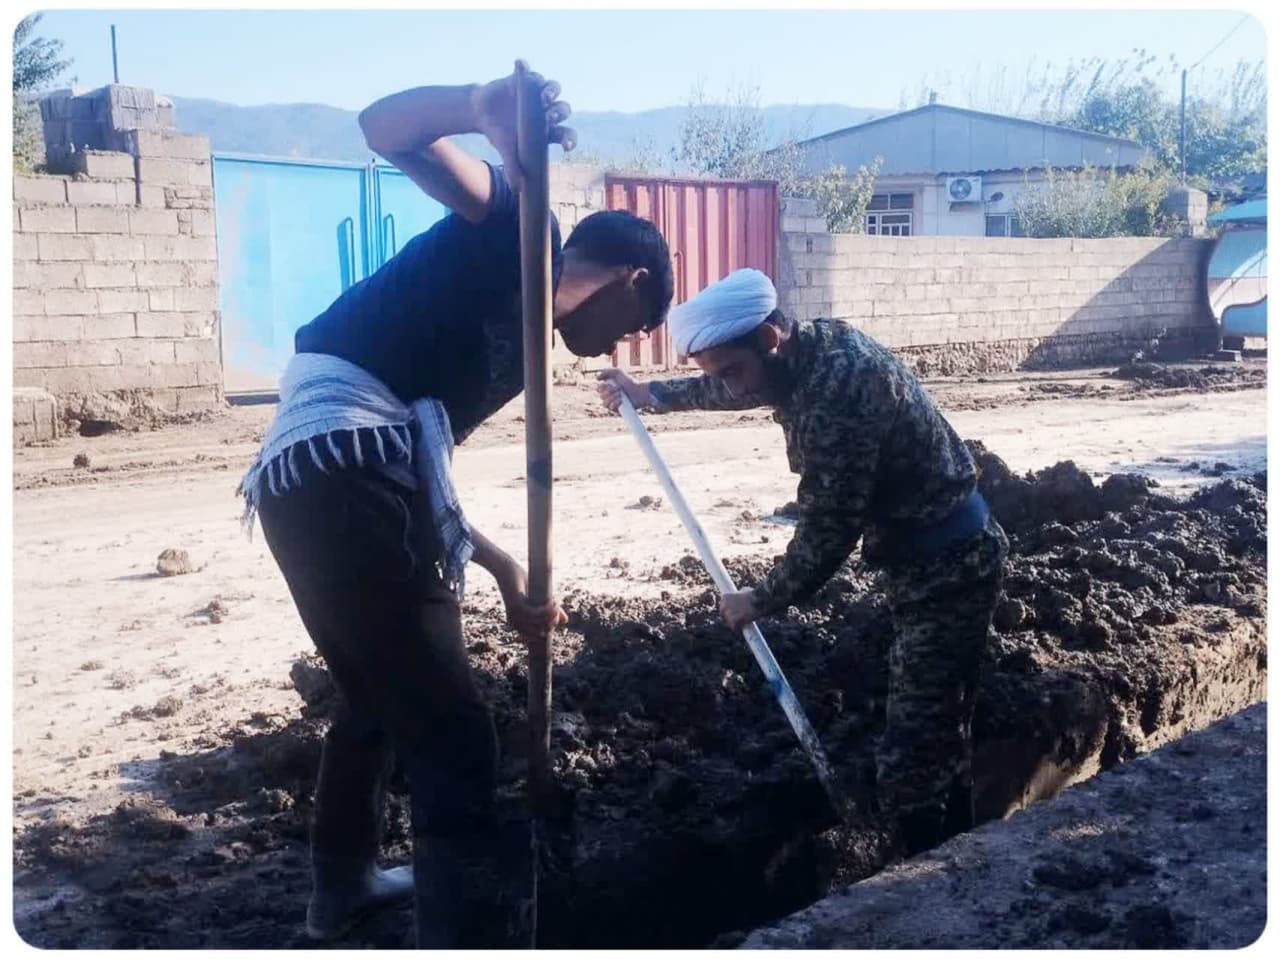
point(964, 189)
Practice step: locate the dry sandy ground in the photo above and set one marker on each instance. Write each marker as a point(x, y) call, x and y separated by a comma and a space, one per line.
point(98, 635)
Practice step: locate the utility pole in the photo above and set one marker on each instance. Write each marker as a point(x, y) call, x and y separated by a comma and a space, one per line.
point(1182, 131)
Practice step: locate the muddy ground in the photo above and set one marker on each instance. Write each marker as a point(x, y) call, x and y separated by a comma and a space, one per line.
point(689, 814)
point(111, 441)
point(1169, 851)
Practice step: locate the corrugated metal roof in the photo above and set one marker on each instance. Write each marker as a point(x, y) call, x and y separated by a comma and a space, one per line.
point(937, 139)
point(972, 113)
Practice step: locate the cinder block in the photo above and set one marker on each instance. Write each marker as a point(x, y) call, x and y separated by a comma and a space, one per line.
point(91, 192)
point(24, 411)
point(110, 326)
point(125, 96)
point(195, 298)
point(163, 325)
point(170, 273)
point(199, 398)
point(177, 247)
point(94, 353)
point(33, 275)
point(33, 329)
point(160, 171)
point(70, 302)
point(105, 165)
point(102, 219)
point(197, 351)
point(48, 219)
point(798, 206)
point(161, 300)
point(170, 145)
point(151, 196)
point(100, 275)
point(40, 189)
point(203, 223)
point(176, 325)
point(35, 356)
point(131, 377)
point(122, 301)
point(38, 420)
point(203, 273)
point(28, 302)
point(25, 246)
point(153, 223)
point(200, 174)
point(109, 249)
point(137, 351)
point(176, 374)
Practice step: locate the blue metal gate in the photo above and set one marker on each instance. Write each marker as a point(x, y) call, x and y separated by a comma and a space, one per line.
point(292, 235)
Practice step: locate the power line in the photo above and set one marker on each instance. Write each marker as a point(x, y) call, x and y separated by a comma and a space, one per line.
point(1219, 43)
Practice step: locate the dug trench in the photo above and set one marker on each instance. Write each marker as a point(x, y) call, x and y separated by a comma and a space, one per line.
point(689, 815)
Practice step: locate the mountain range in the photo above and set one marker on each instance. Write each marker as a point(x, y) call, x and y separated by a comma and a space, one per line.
point(318, 132)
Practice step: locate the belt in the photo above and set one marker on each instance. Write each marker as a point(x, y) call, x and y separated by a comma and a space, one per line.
point(964, 522)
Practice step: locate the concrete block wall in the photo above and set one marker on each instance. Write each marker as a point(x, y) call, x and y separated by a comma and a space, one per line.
point(116, 276)
point(35, 415)
point(978, 304)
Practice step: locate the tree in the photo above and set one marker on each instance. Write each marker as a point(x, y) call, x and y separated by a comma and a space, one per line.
point(842, 199)
point(730, 141)
point(37, 64)
point(1088, 203)
point(1226, 110)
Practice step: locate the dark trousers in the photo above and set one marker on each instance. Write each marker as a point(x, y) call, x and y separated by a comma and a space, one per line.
point(942, 621)
point(358, 552)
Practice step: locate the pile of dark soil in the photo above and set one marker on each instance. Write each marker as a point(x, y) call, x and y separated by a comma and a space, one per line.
point(1157, 376)
point(688, 810)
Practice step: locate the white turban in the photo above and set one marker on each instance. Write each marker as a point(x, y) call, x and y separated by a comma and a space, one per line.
point(722, 312)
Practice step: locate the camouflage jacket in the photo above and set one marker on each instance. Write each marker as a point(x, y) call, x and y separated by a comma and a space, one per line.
point(873, 453)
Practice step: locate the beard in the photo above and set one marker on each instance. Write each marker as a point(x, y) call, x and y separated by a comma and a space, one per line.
point(778, 380)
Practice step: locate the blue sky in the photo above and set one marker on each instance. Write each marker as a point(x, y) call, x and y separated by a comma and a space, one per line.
point(623, 60)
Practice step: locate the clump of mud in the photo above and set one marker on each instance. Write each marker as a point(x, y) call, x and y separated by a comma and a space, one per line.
point(96, 414)
point(683, 789)
point(1150, 376)
point(174, 562)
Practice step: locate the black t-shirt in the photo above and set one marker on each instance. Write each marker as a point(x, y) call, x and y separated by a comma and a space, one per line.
point(442, 317)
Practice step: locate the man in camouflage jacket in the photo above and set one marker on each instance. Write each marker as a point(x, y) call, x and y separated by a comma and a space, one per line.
point(877, 462)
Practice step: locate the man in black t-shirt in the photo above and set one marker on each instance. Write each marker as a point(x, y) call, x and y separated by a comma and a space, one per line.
point(430, 344)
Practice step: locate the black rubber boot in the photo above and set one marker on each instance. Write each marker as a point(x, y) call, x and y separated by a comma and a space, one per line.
point(343, 893)
point(345, 831)
point(474, 892)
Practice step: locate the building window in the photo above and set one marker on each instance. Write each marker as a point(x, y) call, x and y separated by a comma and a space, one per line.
point(1003, 224)
point(890, 214)
point(889, 224)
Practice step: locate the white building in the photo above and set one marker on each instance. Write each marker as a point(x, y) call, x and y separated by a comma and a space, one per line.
point(946, 171)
